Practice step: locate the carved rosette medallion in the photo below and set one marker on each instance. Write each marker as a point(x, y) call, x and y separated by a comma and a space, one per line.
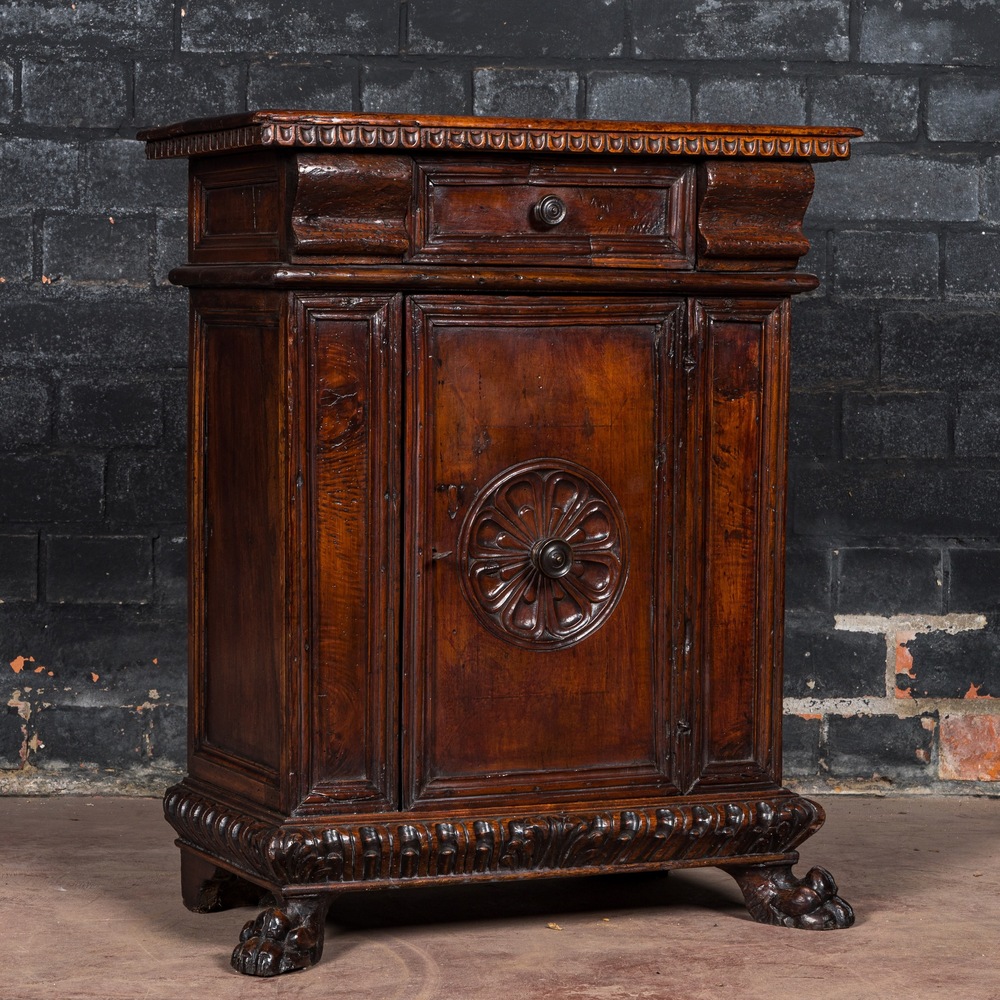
point(544, 554)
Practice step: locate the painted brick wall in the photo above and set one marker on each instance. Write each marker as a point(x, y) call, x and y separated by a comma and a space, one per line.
point(893, 645)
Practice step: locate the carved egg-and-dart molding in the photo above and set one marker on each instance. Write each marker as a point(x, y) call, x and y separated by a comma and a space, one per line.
point(544, 554)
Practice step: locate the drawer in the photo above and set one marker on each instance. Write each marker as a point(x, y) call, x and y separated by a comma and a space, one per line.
point(595, 214)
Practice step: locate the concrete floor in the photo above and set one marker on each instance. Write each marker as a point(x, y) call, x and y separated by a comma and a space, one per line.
point(91, 908)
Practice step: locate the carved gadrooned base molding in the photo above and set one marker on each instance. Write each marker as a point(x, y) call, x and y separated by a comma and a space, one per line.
point(492, 846)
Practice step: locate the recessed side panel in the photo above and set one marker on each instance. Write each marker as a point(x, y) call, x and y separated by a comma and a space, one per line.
point(351, 476)
point(742, 372)
point(238, 535)
point(236, 205)
point(537, 655)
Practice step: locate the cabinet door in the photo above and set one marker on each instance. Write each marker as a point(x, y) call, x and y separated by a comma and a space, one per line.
point(540, 455)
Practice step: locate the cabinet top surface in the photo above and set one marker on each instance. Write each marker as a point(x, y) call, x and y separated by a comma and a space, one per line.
point(332, 130)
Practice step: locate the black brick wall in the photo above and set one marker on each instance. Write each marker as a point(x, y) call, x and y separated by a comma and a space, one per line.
point(894, 454)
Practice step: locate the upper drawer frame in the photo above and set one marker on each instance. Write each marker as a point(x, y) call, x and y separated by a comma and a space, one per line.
point(638, 214)
point(328, 191)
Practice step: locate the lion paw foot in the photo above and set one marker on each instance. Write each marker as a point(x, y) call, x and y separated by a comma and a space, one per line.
point(281, 940)
point(775, 896)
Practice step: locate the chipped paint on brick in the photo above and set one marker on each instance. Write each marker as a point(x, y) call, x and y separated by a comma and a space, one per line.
point(899, 631)
point(964, 729)
point(20, 662)
point(842, 706)
point(21, 701)
point(973, 694)
point(970, 747)
point(22, 752)
point(18, 703)
point(916, 623)
point(146, 736)
point(904, 661)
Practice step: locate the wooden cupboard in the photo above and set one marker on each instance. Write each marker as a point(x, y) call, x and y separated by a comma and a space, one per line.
point(487, 495)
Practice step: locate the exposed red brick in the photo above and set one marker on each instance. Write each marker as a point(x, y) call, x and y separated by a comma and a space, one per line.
point(973, 693)
point(904, 661)
point(970, 747)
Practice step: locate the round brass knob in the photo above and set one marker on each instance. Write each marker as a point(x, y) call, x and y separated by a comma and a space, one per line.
point(550, 211)
point(553, 557)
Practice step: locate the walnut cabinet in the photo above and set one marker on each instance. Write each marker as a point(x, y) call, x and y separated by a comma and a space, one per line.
point(487, 493)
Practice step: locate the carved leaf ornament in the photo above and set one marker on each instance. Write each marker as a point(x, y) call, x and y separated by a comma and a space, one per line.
point(544, 554)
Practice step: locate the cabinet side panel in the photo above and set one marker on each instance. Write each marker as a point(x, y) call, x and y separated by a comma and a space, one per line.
point(236, 208)
point(743, 506)
point(241, 457)
point(353, 395)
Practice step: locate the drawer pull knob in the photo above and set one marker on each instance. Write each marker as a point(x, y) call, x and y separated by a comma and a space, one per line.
point(550, 211)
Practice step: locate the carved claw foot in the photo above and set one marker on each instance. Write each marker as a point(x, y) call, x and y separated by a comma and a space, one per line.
point(283, 938)
point(775, 896)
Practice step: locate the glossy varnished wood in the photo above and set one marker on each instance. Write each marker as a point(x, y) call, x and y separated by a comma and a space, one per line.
point(487, 508)
point(623, 214)
point(238, 525)
point(497, 381)
point(352, 392)
point(327, 130)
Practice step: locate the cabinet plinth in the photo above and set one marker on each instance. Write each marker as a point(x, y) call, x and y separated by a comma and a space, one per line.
point(487, 496)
